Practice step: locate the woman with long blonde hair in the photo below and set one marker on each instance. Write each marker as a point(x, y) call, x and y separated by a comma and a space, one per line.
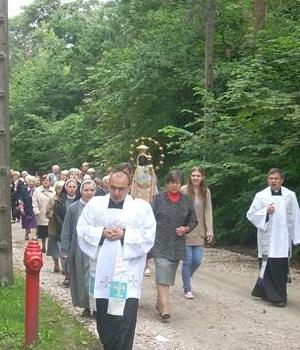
point(197, 190)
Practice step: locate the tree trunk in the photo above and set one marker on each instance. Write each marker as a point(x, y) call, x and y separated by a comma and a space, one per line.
point(259, 13)
point(209, 43)
point(6, 266)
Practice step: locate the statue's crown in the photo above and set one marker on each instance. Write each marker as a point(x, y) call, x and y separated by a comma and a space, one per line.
point(142, 149)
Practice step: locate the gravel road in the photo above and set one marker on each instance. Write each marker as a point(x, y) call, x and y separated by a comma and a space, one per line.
point(223, 315)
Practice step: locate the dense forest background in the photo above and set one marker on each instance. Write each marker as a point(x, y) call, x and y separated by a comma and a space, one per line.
point(88, 78)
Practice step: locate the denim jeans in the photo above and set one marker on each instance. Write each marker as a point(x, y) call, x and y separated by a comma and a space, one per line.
point(193, 258)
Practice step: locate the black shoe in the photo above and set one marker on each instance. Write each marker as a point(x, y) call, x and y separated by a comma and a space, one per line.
point(67, 282)
point(279, 304)
point(86, 313)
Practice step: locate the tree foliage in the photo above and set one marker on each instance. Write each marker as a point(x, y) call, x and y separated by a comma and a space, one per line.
point(88, 78)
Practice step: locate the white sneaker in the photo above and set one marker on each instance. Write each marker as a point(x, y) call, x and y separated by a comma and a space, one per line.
point(189, 295)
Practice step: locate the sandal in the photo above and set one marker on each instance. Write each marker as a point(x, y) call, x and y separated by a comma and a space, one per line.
point(164, 317)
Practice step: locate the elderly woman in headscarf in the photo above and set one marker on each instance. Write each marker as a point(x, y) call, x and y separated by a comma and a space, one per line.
point(61, 205)
point(75, 174)
point(78, 263)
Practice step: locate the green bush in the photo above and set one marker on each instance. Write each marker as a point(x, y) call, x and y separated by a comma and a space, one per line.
point(57, 329)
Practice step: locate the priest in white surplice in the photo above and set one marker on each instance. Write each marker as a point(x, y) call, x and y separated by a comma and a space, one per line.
point(275, 213)
point(117, 231)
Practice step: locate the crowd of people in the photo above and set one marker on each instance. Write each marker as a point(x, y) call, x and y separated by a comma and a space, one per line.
point(102, 231)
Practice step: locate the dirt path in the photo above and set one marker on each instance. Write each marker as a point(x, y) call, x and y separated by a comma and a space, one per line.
point(223, 315)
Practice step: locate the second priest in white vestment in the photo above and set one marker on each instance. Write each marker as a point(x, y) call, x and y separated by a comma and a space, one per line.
point(275, 213)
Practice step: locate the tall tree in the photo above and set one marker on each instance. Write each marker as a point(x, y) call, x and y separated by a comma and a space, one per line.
point(6, 267)
point(260, 13)
point(209, 10)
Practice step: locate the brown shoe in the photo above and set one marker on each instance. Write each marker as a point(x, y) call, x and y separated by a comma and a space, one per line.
point(56, 269)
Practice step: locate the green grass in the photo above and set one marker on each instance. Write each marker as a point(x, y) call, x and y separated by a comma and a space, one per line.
point(57, 329)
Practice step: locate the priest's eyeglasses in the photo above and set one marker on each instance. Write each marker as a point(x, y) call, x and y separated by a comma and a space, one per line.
point(118, 189)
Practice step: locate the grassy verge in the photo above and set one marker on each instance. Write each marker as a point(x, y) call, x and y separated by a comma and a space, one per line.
point(57, 329)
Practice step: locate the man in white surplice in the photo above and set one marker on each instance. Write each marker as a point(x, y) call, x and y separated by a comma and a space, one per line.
point(275, 213)
point(117, 231)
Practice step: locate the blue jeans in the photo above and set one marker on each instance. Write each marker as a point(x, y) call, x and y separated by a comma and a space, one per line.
point(193, 258)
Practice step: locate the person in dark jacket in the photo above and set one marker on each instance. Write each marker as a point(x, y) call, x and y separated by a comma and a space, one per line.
point(61, 205)
point(99, 189)
point(25, 206)
point(175, 216)
point(53, 248)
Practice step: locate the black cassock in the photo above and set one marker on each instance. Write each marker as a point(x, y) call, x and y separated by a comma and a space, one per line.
point(273, 286)
point(117, 332)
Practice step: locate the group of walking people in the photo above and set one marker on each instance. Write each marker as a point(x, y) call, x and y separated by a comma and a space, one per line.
point(104, 237)
point(118, 231)
point(45, 214)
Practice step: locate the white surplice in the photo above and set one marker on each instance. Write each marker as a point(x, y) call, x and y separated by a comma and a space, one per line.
point(275, 236)
point(139, 223)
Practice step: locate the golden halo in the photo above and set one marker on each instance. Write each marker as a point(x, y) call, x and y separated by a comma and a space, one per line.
point(145, 143)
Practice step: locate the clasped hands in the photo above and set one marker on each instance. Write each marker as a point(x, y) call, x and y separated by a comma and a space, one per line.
point(182, 230)
point(270, 209)
point(113, 233)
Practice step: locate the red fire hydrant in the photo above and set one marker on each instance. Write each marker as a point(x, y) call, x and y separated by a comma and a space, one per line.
point(33, 263)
